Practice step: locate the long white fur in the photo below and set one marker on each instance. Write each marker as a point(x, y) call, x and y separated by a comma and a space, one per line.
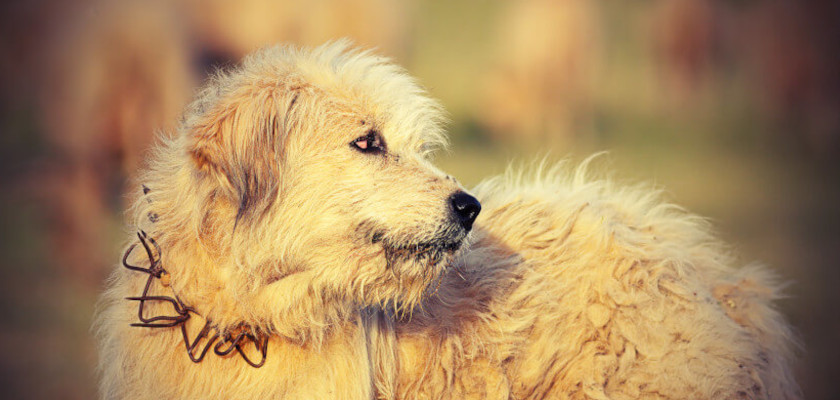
point(570, 287)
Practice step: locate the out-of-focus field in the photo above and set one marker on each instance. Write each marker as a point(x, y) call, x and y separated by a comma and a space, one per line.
point(732, 108)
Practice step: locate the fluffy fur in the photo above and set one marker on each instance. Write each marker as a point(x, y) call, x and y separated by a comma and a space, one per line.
point(568, 287)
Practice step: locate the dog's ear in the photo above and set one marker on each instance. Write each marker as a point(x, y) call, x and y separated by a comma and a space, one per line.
point(239, 142)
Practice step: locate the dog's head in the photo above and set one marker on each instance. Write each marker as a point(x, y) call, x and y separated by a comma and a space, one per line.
point(317, 161)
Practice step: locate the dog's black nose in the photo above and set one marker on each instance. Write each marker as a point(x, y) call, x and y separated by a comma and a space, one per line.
point(465, 208)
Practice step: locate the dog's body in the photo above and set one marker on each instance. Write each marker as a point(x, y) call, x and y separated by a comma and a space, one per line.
point(296, 204)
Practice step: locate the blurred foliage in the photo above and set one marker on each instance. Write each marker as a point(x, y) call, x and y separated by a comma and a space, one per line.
point(733, 107)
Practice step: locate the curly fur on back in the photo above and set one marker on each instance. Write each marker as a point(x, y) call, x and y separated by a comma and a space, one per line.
point(568, 287)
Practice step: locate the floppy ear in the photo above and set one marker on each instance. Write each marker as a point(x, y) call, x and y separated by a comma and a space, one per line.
point(239, 143)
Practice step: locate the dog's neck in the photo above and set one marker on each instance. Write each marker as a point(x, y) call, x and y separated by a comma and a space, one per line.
point(301, 306)
point(176, 299)
point(222, 342)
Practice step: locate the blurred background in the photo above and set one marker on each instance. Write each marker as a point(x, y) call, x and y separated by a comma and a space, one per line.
point(733, 107)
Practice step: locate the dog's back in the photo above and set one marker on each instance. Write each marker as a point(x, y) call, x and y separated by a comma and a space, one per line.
point(577, 288)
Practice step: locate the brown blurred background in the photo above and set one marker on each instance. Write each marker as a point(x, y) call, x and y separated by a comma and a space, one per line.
point(732, 106)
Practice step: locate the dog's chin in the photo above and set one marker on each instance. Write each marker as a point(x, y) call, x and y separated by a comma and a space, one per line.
point(413, 266)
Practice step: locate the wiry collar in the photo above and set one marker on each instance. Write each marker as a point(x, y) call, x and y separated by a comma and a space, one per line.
point(225, 342)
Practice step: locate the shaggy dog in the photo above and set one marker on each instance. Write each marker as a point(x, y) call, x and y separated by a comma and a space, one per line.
point(295, 242)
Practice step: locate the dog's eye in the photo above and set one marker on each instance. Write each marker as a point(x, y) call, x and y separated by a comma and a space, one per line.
point(370, 143)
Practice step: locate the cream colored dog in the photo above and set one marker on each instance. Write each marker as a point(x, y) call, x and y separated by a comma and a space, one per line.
point(296, 243)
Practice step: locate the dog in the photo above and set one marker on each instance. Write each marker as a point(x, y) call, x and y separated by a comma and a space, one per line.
point(294, 241)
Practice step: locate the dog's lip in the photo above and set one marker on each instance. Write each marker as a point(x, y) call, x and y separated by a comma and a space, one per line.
point(427, 249)
point(447, 240)
point(441, 245)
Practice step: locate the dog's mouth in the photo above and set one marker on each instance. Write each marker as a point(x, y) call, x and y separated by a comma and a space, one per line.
point(437, 245)
point(446, 241)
